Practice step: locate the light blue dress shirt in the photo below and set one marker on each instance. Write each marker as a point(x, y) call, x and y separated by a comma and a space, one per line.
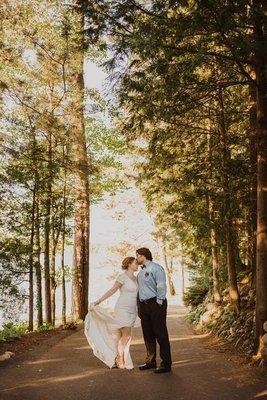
point(152, 282)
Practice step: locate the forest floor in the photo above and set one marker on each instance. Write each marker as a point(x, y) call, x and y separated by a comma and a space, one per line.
point(66, 369)
point(30, 341)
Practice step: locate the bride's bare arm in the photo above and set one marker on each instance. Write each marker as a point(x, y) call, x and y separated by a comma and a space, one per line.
point(109, 293)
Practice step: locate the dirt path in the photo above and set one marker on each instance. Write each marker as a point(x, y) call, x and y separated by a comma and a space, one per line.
point(68, 370)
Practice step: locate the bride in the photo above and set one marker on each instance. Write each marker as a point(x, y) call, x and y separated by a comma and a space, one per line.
point(108, 332)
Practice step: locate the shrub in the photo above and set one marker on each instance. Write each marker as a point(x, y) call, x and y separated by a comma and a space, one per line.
point(45, 327)
point(193, 317)
point(196, 293)
point(13, 331)
point(72, 325)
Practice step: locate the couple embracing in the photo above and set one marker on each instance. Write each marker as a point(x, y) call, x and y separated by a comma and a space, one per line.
point(110, 332)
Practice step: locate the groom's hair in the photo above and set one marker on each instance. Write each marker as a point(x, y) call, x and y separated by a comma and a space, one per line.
point(145, 252)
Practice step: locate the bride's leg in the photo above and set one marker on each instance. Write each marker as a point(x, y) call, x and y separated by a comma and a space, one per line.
point(119, 358)
point(124, 346)
point(127, 356)
point(126, 336)
point(119, 334)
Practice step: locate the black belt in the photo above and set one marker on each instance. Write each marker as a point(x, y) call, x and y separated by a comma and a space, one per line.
point(148, 300)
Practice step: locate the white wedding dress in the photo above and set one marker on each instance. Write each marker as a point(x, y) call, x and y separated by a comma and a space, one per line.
point(101, 324)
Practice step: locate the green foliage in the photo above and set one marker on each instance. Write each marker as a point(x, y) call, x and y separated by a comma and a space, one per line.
point(67, 275)
point(106, 148)
point(13, 269)
point(197, 291)
point(187, 115)
point(36, 129)
point(184, 107)
point(12, 331)
point(45, 327)
point(193, 317)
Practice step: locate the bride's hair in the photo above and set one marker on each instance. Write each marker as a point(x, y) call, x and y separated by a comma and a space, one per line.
point(126, 262)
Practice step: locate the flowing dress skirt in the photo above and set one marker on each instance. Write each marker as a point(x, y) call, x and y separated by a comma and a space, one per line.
point(101, 330)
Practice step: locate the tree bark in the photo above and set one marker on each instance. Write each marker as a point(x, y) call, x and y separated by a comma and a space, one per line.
point(213, 234)
point(55, 233)
point(47, 228)
point(35, 237)
point(182, 274)
point(31, 259)
point(253, 189)
point(228, 221)
point(217, 298)
point(63, 280)
point(169, 271)
point(215, 267)
point(37, 261)
point(53, 271)
point(260, 12)
point(80, 276)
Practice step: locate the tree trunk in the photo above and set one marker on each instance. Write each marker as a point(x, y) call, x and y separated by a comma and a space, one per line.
point(63, 245)
point(80, 276)
point(31, 260)
point(252, 229)
point(260, 9)
point(35, 237)
point(228, 222)
point(53, 271)
point(213, 234)
point(55, 233)
point(37, 261)
point(215, 267)
point(47, 234)
point(63, 279)
point(169, 271)
point(182, 273)
point(217, 298)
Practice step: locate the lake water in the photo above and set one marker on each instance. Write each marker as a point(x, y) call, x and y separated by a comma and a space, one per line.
point(119, 225)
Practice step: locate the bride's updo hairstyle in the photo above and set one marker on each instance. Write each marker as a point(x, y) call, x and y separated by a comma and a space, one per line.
point(126, 262)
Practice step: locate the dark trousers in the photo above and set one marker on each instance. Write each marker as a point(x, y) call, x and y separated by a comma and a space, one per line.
point(153, 321)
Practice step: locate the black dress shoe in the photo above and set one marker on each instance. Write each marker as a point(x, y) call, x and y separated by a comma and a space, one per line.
point(161, 370)
point(147, 366)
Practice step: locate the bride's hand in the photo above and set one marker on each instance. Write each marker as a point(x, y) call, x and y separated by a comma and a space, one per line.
point(95, 303)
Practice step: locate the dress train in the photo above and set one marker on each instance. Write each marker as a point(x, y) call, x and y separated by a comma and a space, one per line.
point(101, 330)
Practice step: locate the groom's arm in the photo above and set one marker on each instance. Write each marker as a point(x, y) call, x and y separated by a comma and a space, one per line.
point(160, 278)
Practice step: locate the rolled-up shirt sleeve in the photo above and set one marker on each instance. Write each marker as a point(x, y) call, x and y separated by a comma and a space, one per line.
point(160, 278)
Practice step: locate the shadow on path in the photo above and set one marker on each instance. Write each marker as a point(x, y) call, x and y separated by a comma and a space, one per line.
point(69, 370)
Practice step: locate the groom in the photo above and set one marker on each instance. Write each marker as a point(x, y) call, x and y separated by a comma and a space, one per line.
point(152, 310)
